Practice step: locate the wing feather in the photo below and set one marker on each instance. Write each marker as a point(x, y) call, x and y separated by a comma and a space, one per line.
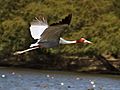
point(37, 27)
point(56, 29)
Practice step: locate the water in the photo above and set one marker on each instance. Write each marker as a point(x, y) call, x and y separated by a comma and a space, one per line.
point(29, 79)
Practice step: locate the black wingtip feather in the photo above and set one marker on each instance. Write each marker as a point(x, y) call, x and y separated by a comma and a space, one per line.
point(66, 20)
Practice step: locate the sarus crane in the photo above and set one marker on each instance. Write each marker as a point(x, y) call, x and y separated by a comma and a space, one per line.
point(49, 36)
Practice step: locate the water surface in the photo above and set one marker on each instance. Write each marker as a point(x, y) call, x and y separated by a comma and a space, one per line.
point(30, 79)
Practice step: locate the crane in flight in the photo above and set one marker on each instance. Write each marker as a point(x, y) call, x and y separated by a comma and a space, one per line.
point(49, 36)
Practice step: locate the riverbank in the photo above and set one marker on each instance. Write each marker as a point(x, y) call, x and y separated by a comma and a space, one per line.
point(71, 63)
point(66, 70)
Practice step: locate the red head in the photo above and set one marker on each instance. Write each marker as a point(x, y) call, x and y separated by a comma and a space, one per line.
point(83, 40)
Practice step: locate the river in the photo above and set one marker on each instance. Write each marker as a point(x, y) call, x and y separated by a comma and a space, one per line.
point(31, 79)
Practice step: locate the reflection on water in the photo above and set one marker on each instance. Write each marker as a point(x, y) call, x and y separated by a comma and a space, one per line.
point(28, 79)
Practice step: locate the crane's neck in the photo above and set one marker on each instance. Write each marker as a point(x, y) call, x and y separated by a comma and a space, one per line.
point(81, 40)
point(63, 41)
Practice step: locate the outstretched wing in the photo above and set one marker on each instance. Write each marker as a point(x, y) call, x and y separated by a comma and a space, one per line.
point(53, 33)
point(56, 29)
point(37, 27)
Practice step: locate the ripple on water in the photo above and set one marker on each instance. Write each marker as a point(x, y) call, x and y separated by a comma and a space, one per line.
point(27, 79)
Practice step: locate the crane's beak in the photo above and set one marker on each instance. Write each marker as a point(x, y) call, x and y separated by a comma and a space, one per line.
point(88, 42)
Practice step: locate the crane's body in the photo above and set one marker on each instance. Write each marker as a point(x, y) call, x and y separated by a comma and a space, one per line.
point(49, 36)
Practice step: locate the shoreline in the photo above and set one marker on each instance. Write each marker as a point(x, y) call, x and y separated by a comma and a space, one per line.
point(103, 72)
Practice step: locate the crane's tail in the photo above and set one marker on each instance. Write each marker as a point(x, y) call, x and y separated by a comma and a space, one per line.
point(20, 52)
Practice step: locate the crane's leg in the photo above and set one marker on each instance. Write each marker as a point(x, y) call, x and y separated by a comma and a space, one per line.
point(35, 44)
point(20, 52)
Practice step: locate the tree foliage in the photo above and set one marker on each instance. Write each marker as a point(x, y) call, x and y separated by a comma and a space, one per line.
point(96, 20)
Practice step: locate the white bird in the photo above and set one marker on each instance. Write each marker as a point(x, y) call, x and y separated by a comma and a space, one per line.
point(49, 36)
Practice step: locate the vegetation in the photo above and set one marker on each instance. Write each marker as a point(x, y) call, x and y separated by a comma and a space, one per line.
point(96, 20)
